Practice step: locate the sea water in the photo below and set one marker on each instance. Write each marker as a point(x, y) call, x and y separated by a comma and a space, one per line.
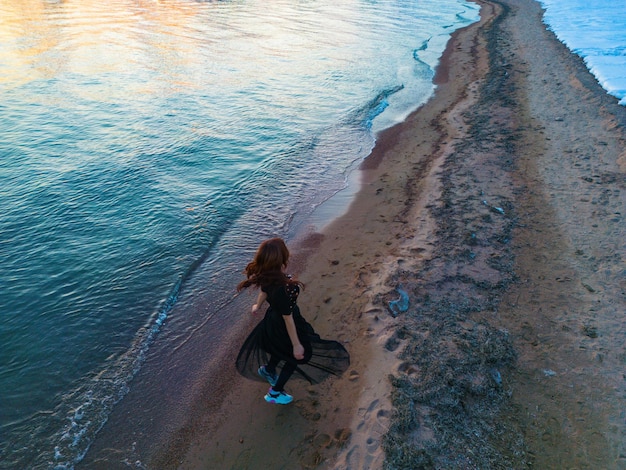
point(596, 31)
point(146, 148)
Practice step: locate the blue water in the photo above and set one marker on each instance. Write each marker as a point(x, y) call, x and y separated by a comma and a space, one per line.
point(144, 141)
point(596, 31)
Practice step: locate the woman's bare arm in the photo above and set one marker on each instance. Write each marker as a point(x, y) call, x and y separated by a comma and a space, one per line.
point(259, 301)
point(298, 349)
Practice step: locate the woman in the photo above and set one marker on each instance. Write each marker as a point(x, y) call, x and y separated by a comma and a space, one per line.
point(283, 343)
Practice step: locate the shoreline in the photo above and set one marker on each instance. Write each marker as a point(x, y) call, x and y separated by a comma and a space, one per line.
point(348, 431)
point(511, 263)
point(163, 446)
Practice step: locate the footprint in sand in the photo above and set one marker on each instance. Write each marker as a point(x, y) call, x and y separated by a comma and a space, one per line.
point(365, 413)
point(307, 408)
point(372, 444)
point(383, 418)
point(408, 368)
point(353, 376)
point(322, 441)
point(365, 448)
point(355, 458)
point(342, 436)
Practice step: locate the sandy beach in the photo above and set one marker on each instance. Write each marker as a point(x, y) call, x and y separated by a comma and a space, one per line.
point(493, 221)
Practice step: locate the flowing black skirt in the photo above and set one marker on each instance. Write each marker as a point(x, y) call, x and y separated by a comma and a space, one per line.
point(269, 339)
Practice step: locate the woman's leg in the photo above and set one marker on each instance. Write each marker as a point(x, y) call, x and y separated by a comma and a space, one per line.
point(272, 364)
point(285, 374)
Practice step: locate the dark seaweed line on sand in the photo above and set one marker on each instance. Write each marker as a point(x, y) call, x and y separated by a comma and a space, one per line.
point(452, 391)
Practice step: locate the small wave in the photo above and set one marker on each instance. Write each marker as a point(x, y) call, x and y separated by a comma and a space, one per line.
point(619, 51)
point(89, 406)
point(422, 47)
point(376, 106)
point(425, 69)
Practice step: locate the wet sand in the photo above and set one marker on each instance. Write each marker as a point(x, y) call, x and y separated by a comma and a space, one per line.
point(497, 210)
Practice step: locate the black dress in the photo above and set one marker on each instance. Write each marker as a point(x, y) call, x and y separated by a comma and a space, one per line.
point(270, 339)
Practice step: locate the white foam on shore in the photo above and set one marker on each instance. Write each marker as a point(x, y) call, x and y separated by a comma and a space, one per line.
point(596, 31)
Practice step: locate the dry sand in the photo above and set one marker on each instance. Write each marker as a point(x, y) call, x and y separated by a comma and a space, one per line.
point(498, 209)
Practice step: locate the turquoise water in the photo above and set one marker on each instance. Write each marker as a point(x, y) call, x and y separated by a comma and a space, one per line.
point(596, 31)
point(143, 142)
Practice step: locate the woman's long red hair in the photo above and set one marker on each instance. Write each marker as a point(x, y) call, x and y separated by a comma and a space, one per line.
point(267, 266)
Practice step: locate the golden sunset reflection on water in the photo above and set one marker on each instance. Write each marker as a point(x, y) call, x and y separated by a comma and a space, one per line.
point(44, 40)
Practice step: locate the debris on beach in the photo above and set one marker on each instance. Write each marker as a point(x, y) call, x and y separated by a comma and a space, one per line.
point(400, 305)
point(498, 210)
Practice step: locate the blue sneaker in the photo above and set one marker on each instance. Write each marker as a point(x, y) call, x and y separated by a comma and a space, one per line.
point(278, 398)
point(271, 378)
